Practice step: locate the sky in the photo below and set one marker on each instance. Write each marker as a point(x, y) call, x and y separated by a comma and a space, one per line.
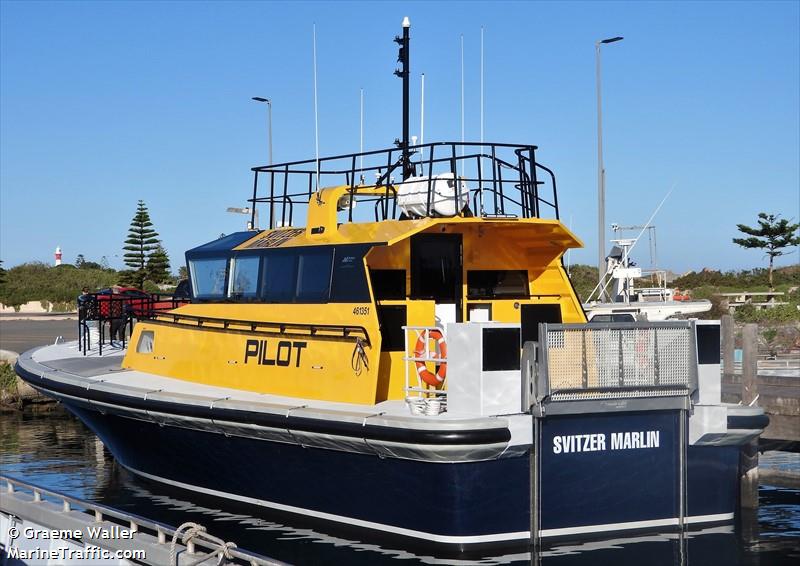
point(106, 103)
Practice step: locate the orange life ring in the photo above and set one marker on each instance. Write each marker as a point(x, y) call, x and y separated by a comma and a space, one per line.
point(419, 351)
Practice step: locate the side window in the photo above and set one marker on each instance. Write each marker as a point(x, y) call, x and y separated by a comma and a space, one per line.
point(244, 277)
point(349, 276)
point(388, 283)
point(208, 277)
point(497, 284)
point(279, 277)
point(314, 276)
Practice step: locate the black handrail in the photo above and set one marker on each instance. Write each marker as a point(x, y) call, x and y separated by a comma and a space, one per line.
point(263, 327)
point(520, 191)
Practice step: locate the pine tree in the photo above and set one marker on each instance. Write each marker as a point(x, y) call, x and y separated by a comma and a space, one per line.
point(142, 241)
point(772, 235)
point(158, 266)
point(79, 261)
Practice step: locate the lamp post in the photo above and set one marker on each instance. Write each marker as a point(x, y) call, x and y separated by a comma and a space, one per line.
point(268, 101)
point(601, 174)
point(251, 225)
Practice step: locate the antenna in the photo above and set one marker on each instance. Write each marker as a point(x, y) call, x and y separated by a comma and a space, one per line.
point(361, 129)
point(462, 96)
point(316, 114)
point(481, 89)
point(403, 57)
point(422, 117)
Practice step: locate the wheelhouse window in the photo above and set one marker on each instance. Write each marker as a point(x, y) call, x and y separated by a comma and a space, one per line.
point(208, 277)
point(279, 277)
point(244, 277)
point(314, 276)
point(497, 284)
point(349, 275)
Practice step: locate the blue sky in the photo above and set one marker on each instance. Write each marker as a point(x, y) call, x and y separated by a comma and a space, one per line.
point(105, 103)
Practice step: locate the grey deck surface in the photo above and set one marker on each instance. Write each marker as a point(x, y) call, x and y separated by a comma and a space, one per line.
point(88, 366)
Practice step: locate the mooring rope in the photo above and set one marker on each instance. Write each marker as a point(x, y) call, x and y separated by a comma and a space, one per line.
point(193, 530)
point(359, 360)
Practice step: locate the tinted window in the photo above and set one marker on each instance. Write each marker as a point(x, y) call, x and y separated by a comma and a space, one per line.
point(501, 349)
point(490, 284)
point(314, 276)
point(391, 320)
point(708, 344)
point(532, 315)
point(279, 277)
point(244, 282)
point(349, 277)
point(208, 277)
point(388, 283)
point(436, 267)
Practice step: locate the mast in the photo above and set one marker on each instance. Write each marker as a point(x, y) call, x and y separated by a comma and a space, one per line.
point(403, 58)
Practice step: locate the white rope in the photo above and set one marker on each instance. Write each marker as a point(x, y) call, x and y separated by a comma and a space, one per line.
point(196, 531)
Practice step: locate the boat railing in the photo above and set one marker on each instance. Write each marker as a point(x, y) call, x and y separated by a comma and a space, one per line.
point(578, 362)
point(116, 309)
point(346, 332)
point(501, 180)
point(421, 397)
point(162, 534)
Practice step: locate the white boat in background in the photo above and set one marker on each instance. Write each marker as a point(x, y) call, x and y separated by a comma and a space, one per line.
point(626, 302)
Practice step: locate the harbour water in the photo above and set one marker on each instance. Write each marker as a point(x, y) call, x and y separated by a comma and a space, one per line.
point(55, 450)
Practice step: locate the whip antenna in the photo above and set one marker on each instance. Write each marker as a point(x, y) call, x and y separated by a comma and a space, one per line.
point(422, 118)
point(481, 89)
point(316, 114)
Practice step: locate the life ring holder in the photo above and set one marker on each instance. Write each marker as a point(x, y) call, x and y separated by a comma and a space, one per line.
point(420, 350)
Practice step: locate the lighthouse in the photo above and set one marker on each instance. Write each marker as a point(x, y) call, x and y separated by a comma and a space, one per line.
point(58, 255)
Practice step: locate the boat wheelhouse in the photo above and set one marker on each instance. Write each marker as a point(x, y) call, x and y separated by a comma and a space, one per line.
point(316, 300)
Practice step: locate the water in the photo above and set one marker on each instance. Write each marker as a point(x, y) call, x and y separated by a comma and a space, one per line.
point(55, 450)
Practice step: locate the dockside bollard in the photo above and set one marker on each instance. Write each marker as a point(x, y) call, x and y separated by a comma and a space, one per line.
point(748, 456)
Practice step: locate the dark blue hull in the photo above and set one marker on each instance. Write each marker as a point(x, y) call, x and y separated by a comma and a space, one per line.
point(455, 504)
point(468, 503)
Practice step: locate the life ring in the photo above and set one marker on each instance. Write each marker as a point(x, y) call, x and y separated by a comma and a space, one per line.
point(434, 379)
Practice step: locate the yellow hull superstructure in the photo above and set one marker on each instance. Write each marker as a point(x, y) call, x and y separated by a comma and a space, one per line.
point(336, 351)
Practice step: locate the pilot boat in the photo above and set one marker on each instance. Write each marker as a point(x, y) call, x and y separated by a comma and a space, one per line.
point(412, 360)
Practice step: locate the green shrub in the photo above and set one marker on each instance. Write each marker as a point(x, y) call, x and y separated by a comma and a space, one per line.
point(37, 281)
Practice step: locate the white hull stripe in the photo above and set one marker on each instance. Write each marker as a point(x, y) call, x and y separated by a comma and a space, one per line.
point(521, 535)
point(448, 539)
point(635, 525)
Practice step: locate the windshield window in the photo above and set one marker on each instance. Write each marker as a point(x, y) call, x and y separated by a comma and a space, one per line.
point(244, 278)
point(208, 277)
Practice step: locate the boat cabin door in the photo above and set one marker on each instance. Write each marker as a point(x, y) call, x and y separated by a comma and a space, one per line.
point(436, 268)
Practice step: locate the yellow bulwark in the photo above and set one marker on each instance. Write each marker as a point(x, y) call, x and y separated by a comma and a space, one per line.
point(348, 351)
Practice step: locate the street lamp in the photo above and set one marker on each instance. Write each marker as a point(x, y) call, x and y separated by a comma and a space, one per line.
point(268, 101)
point(601, 175)
point(247, 210)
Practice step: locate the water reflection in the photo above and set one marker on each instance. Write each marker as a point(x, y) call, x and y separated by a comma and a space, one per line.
point(55, 450)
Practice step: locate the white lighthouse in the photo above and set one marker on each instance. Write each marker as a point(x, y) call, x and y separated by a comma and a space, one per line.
point(58, 255)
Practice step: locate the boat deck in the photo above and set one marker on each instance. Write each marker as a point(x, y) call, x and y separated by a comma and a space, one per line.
point(100, 384)
point(65, 358)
